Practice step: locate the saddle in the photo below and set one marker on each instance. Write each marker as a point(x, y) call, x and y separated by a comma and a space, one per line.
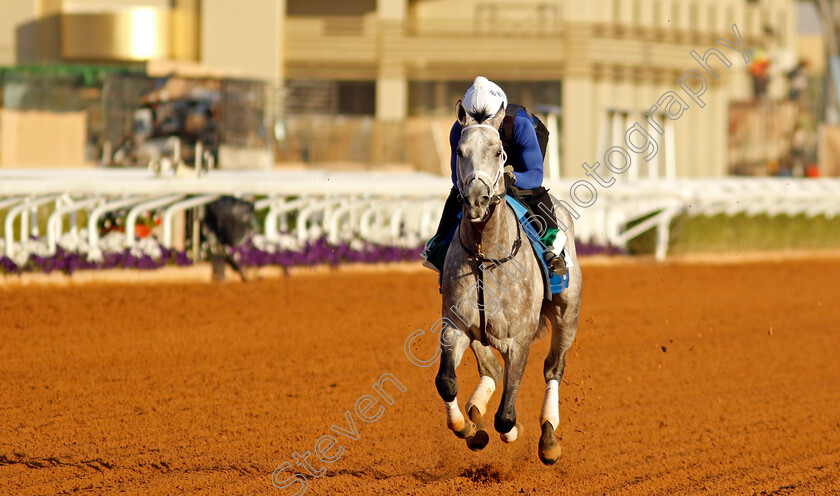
point(553, 283)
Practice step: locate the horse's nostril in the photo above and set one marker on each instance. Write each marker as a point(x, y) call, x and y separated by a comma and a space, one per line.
point(485, 198)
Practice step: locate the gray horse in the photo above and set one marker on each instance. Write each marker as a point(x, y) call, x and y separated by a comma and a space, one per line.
point(493, 296)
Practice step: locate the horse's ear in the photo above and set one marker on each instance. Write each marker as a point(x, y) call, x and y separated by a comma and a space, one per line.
point(497, 119)
point(463, 117)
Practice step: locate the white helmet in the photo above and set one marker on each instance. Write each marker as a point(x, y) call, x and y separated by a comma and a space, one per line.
point(484, 95)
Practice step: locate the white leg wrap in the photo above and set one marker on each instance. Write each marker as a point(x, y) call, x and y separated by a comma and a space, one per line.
point(550, 408)
point(511, 436)
point(481, 395)
point(454, 418)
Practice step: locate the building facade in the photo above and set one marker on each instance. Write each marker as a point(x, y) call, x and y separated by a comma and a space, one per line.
point(603, 62)
point(599, 65)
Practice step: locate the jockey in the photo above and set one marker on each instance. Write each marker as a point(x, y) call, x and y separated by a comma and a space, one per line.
point(524, 181)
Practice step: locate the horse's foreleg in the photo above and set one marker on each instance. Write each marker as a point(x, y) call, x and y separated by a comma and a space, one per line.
point(491, 374)
point(505, 423)
point(453, 343)
point(564, 320)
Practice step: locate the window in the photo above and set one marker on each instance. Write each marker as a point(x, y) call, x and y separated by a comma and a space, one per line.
point(329, 8)
point(357, 97)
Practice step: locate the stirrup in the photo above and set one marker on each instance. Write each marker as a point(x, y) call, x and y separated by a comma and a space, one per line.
point(556, 264)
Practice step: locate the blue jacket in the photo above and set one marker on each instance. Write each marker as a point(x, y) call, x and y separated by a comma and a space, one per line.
point(529, 174)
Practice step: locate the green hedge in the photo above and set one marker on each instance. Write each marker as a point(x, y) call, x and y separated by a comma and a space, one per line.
point(743, 233)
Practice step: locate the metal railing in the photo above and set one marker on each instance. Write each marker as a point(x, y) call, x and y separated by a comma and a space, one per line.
point(392, 209)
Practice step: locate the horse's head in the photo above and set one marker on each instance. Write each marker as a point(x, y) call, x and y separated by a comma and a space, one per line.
point(480, 162)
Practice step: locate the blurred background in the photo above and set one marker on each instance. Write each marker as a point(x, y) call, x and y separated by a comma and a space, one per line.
point(370, 85)
point(362, 84)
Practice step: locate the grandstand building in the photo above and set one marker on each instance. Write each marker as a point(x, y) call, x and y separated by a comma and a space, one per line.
point(591, 68)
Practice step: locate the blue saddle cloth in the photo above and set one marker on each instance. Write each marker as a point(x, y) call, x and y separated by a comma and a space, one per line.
point(554, 284)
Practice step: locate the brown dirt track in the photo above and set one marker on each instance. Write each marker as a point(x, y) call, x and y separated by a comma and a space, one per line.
point(684, 379)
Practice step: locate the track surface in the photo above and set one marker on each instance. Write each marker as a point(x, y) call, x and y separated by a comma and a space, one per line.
point(684, 379)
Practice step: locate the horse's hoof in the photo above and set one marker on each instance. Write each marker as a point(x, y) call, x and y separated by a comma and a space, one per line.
point(467, 432)
point(476, 416)
point(549, 447)
point(478, 441)
point(513, 435)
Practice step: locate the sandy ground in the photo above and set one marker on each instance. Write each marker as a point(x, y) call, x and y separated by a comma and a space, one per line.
point(684, 379)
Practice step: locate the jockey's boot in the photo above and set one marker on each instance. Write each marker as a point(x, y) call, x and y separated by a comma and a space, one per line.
point(434, 254)
point(554, 258)
point(556, 263)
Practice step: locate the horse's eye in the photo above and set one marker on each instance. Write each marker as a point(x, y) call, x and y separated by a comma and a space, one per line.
point(499, 152)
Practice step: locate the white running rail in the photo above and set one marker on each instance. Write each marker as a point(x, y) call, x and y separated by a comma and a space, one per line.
point(397, 209)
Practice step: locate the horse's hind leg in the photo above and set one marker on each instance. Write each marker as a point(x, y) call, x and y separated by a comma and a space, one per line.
point(452, 346)
point(564, 319)
point(491, 374)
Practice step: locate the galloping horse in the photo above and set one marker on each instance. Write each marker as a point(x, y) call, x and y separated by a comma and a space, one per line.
point(520, 312)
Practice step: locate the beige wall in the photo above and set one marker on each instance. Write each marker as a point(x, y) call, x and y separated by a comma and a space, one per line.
point(137, 34)
point(42, 139)
point(464, 11)
point(244, 37)
point(15, 13)
point(812, 49)
point(31, 30)
point(89, 6)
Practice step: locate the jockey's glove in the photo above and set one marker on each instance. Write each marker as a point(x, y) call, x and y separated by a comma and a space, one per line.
point(510, 179)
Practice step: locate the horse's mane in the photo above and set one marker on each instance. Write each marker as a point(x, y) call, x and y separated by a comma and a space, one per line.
point(481, 115)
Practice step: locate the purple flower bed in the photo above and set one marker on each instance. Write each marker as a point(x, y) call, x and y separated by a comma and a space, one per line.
point(322, 252)
point(590, 249)
point(248, 255)
point(68, 262)
point(319, 252)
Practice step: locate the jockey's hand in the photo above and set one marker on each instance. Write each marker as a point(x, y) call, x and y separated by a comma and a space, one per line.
point(510, 179)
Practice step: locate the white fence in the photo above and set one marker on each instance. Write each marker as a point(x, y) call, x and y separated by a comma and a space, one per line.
point(392, 209)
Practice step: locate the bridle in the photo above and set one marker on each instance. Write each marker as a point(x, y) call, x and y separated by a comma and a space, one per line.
point(489, 181)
